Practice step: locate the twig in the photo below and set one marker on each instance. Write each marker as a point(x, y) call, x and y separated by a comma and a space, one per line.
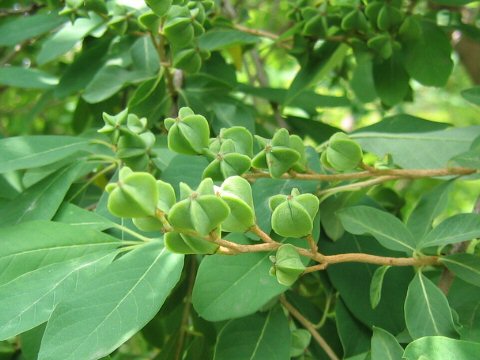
point(404, 173)
point(160, 46)
point(186, 309)
point(260, 233)
point(310, 327)
point(355, 186)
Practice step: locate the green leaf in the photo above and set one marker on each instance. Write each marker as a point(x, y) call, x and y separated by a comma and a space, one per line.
point(428, 208)
point(352, 281)
point(425, 150)
point(42, 200)
point(31, 245)
point(81, 71)
point(65, 39)
point(354, 336)
point(108, 81)
point(385, 346)
point(428, 57)
point(28, 300)
point(132, 289)
point(231, 287)
point(386, 228)
point(317, 66)
point(362, 79)
point(21, 28)
point(257, 337)
point(159, 7)
point(26, 78)
point(184, 168)
point(25, 152)
point(376, 285)
point(455, 229)
point(441, 348)
point(391, 80)
point(465, 266)
point(83, 219)
point(472, 95)
point(222, 38)
point(427, 312)
point(145, 56)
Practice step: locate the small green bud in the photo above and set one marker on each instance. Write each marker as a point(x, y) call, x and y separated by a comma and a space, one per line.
point(135, 195)
point(382, 44)
point(389, 17)
point(372, 10)
point(355, 20)
point(287, 266)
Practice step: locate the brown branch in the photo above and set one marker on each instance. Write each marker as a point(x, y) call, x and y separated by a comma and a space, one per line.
point(355, 186)
point(255, 229)
point(326, 260)
point(404, 173)
point(256, 32)
point(310, 327)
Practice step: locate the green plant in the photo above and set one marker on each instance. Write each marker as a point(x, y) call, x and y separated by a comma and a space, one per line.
point(164, 207)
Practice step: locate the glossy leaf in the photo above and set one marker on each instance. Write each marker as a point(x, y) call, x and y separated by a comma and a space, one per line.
point(385, 346)
point(42, 200)
point(376, 285)
point(65, 39)
point(134, 288)
point(427, 312)
point(386, 228)
point(76, 216)
point(455, 229)
point(428, 57)
point(222, 38)
point(231, 287)
point(472, 95)
point(256, 337)
point(428, 208)
point(24, 152)
point(27, 78)
point(465, 266)
point(31, 245)
point(22, 28)
point(424, 150)
point(29, 300)
point(440, 348)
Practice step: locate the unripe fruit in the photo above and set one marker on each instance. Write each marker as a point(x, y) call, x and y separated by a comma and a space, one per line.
point(287, 265)
point(293, 215)
point(342, 153)
point(237, 194)
point(188, 135)
point(135, 195)
point(199, 212)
